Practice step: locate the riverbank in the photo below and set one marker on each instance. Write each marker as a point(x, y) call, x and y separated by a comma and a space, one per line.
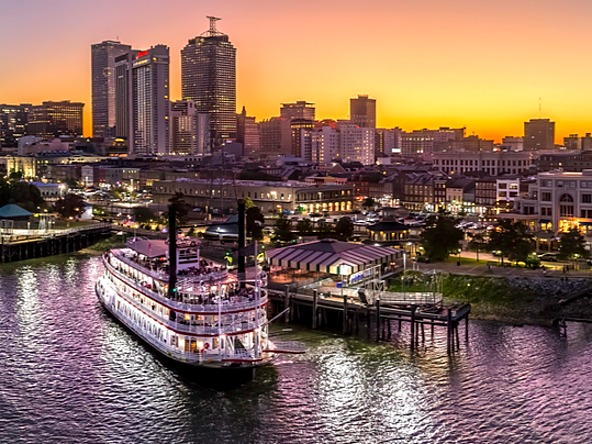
point(516, 295)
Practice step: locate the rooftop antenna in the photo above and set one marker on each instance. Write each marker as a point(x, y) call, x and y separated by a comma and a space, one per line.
point(213, 21)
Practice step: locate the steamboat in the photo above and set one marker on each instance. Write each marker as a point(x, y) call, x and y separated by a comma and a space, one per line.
point(190, 310)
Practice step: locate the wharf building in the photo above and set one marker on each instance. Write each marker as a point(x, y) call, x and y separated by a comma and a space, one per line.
point(270, 197)
point(539, 134)
point(103, 57)
point(208, 77)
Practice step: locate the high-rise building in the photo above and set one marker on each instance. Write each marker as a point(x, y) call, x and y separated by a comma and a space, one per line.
point(356, 144)
point(151, 104)
point(298, 110)
point(53, 119)
point(301, 130)
point(124, 98)
point(325, 142)
point(247, 132)
point(103, 57)
point(189, 129)
point(425, 142)
point(363, 111)
point(208, 77)
point(275, 137)
point(539, 134)
point(13, 123)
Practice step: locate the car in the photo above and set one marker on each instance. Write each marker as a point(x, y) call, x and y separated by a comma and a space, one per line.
point(549, 257)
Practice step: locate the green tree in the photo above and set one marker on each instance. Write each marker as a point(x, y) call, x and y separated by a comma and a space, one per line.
point(27, 196)
point(71, 205)
point(572, 245)
point(324, 230)
point(368, 203)
point(254, 223)
point(305, 226)
point(344, 228)
point(283, 230)
point(248, 203)
point(477, 243)
point(441, 237)
point(512, 239)
point(181, 207)
point(143, 215)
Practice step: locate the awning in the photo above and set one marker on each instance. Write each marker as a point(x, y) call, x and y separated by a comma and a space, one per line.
point(331, 256)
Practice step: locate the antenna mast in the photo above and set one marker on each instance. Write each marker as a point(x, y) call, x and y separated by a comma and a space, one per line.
point(213, 20)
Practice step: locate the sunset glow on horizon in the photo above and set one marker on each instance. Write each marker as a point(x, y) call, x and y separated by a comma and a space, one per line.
point(486, 66)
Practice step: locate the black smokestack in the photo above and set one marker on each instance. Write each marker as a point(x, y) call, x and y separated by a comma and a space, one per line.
point(172, 293)
point(242, 236)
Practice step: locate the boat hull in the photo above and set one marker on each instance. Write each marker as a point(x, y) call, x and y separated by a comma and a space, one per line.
point(213, 373)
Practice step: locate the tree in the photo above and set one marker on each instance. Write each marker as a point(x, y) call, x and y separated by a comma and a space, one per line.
point(283, 230)
point(254, 223)
point(344, 228)
point(572, 245)
point(143, 215)
point(368, 203)
point(27, 196)
point(305, 226)
point(182, 208)
point(477, 243)
point(441, 237)
point(512, 239)
point(324, 230)
point(71, 205)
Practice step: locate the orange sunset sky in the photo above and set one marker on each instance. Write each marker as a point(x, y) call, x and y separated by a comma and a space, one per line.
point(475, 63)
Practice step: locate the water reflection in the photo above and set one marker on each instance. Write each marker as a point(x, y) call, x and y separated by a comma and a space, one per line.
point(71, 373)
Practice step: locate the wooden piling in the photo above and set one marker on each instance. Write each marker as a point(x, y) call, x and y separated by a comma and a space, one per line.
point(413, 308)
point(315, 295)
point(368, 321)
point(377, 320)
point(344, 313)
point(287, 305)
point(448, 332)
point(467, 329)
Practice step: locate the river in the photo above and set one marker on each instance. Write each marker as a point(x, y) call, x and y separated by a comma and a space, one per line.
point(70, 373)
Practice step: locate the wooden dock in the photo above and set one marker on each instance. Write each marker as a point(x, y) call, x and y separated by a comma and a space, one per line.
point(323, 309)
point(15, 247)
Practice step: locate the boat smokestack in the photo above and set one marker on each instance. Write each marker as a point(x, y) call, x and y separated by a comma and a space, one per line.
point(172, 292)
point(242, 236)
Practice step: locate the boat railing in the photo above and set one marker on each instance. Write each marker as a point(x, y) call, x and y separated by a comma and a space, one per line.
point(226, 306)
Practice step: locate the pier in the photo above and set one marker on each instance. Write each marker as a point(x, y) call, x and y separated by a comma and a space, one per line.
point(20, 245)
point(377, 317)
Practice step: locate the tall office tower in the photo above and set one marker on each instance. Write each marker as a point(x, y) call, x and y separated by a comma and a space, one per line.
point(325, 142)
point(103, 57)
point(247, 132)
point(124, 97)
point(52, 119)
point(143, 99)
point(298, 110)
point(363, 111)
point(13, 123)
point(189, 129)
point(301, 130)
point(275, 137)
point(356, 144)
point(208, 77)
point(539, 134)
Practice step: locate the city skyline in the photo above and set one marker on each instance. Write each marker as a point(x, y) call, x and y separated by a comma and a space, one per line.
point(483, 67)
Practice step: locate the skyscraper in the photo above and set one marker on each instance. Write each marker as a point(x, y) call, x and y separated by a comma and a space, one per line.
point(539, 134)
point(363, 111)
point(103, 57)
point(189, 129)
point(208, 77)
point(151, 104)
point(52, 119)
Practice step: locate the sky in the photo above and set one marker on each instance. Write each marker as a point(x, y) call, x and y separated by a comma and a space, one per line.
point(480, 64)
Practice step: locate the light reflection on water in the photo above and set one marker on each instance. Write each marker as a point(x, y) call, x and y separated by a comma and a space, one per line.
point(70, 373)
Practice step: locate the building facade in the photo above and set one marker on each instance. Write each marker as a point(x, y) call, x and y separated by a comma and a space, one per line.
point(539, 134)
point(189, 129)
point(151, 104)
point(362, 111)
point(208, 77)
point(356, 144)
point(53, 119)
point(103, 80)
point(491, 163)
point(298, 110)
